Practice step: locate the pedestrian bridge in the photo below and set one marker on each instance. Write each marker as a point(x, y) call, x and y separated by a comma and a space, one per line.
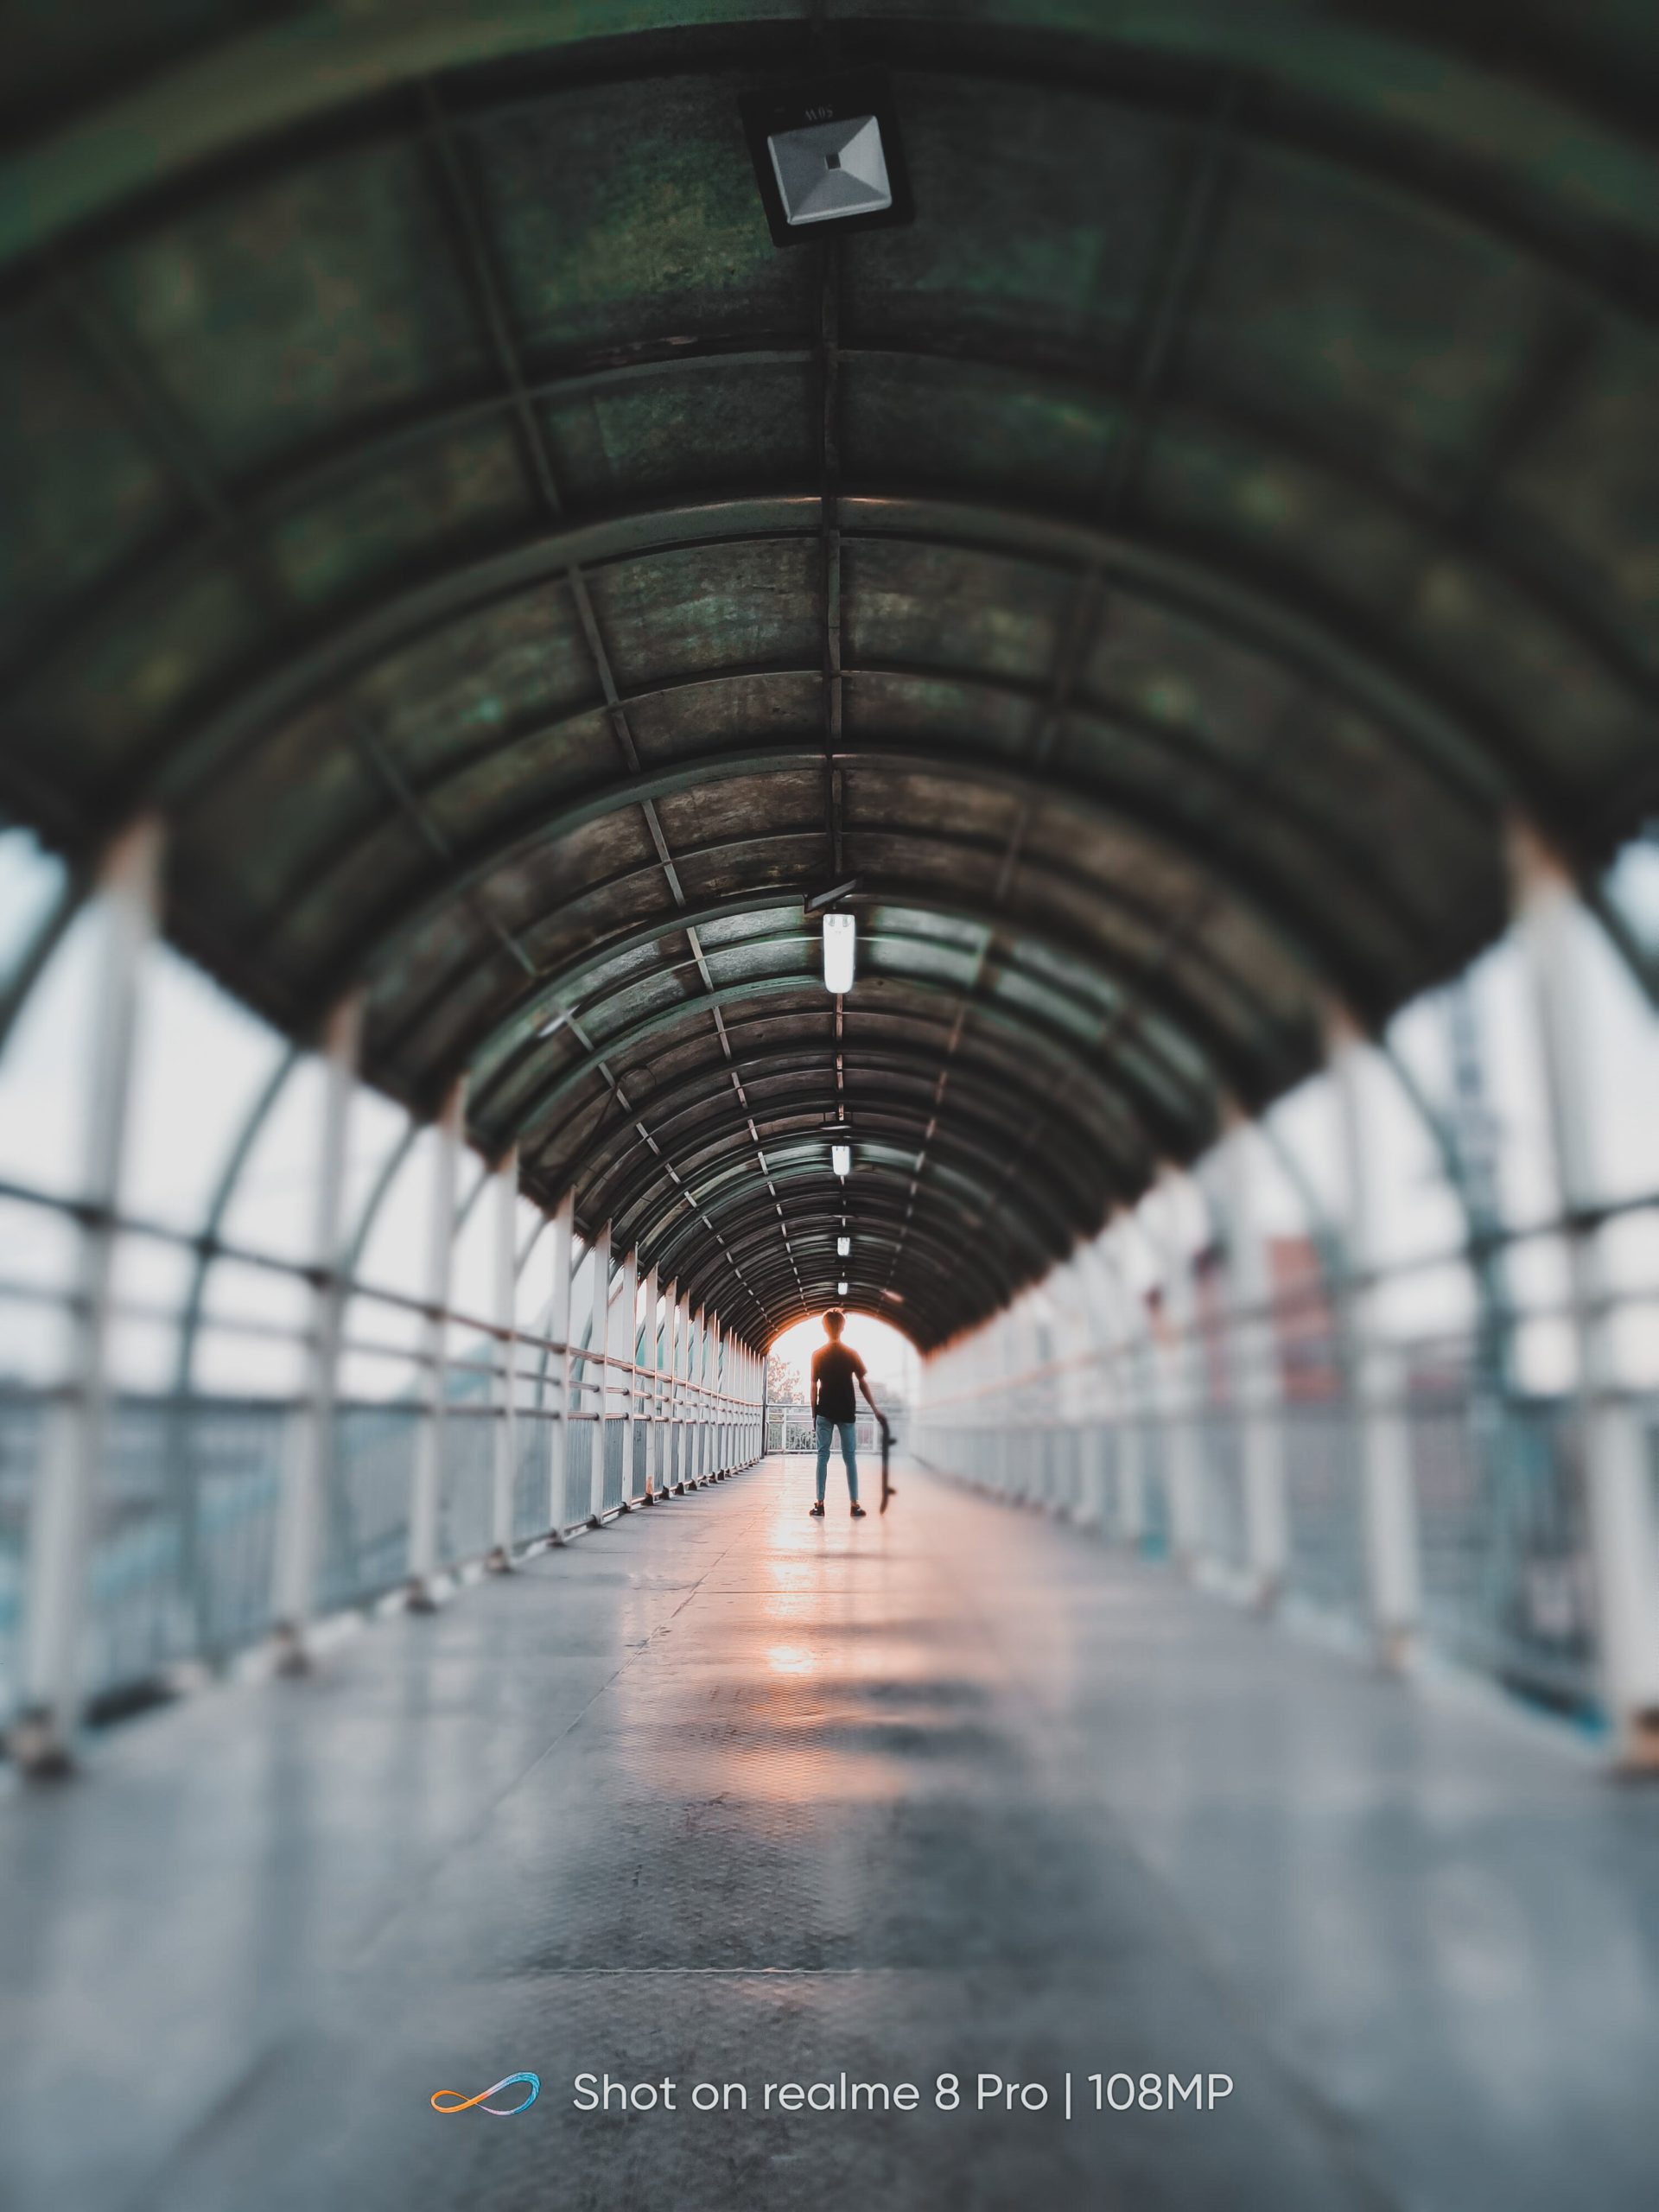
point(665, 665)
point(722, 1794)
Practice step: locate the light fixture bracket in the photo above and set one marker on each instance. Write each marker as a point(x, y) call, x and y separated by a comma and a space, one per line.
point(816, 902)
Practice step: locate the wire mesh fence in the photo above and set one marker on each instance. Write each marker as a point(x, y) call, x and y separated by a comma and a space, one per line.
point(1496, 1475)
point(184, 1546)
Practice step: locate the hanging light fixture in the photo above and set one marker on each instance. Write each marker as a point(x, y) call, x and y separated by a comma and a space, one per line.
point(840, 1290)
point(843, 1246)
point(841, 1159)
point(840, 949)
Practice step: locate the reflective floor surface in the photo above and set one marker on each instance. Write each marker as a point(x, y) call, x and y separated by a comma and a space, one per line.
point(724, 1795)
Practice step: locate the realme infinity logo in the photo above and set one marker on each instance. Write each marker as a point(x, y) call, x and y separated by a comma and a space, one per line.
point(453, 2101)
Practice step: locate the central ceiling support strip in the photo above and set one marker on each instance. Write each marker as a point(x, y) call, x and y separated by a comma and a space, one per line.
point(480, 260)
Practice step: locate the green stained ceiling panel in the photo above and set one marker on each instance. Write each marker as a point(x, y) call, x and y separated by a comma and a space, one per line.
point(1173, 559)
point(300, 305)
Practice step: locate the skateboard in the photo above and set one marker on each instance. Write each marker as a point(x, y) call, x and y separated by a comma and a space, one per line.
point(887, 1490)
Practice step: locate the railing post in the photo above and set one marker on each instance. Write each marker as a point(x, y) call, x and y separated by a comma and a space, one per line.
point(123, 911)
point(662, 1477)
point(728, 1374)
point(626, 1311)
point(309, 1458)
point(1132, 1465)
point(724, 1377)
point(1619, 1482)
point(688, 1427)
point(710, 1403)
point(696, 1361)
point(1255, 1371)
point(426, 1477)
point(1174, 1354)
point(715, 1458)
point(671, 1476)
point(1008, 1330)
point(709, 1324)
point(1098, 1291)
point(645, 1381)
point(599, 1347)
point(716, 1408)
point(558, 1328)
point(1376, 1383)
point(504, 1194)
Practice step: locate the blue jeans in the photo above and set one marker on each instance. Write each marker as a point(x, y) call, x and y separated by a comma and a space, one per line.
point(847, 1431)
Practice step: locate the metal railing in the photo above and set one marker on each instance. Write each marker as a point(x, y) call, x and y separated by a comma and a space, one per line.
point(1150, 1443)
point(536, 1438)
point(792, 1429)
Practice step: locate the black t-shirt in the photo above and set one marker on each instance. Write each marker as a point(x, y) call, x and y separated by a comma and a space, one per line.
point(833, 1369)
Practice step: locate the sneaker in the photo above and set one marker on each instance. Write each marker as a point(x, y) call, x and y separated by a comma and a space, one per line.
point(816, 1509)
point(858, 1513)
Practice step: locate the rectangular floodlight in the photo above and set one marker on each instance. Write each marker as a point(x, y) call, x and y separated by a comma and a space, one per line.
point(840, 949)
point(840, 1290)
point(841, 1159)
point(843, 1246)
point(827, 152)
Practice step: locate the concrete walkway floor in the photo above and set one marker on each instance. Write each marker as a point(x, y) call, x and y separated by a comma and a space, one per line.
point(722, 1795)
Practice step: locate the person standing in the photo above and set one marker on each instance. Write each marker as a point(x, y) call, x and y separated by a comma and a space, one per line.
point(835, 1369)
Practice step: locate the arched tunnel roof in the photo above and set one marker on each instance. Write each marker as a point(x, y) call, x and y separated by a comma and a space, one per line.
point(1156, 573)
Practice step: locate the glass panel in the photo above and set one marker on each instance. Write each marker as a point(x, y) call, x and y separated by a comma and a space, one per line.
point(1306, 1126)
point(1632, 884)
point(271, 1208)
point(30, 881)
point(151, 1282)
point(36, 1272)
point(1621, 1039)
point(395, 1254)
point(43, 1092)
point(201, 1062)
point(377, 1126)
point(1509, 1030)
point(252, 1319)
point(472, 1269)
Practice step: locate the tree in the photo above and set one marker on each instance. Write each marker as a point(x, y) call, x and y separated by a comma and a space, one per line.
point(783, 1383)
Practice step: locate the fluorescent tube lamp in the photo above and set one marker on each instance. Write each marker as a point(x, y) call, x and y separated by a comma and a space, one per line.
point(840, 1290)
point(840, 943)
point(843, 1246)
point(551, 1028)
point(841, 1159)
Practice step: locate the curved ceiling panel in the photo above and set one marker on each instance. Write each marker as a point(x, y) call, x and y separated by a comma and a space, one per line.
point(1157, 574)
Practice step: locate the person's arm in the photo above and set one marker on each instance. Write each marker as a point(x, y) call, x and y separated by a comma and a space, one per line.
point(864, 1385)
point(814, 1388)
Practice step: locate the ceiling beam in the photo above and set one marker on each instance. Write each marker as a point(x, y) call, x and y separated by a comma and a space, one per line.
point(1063, 1206)
point(1319, 644)
point(1387, 107)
